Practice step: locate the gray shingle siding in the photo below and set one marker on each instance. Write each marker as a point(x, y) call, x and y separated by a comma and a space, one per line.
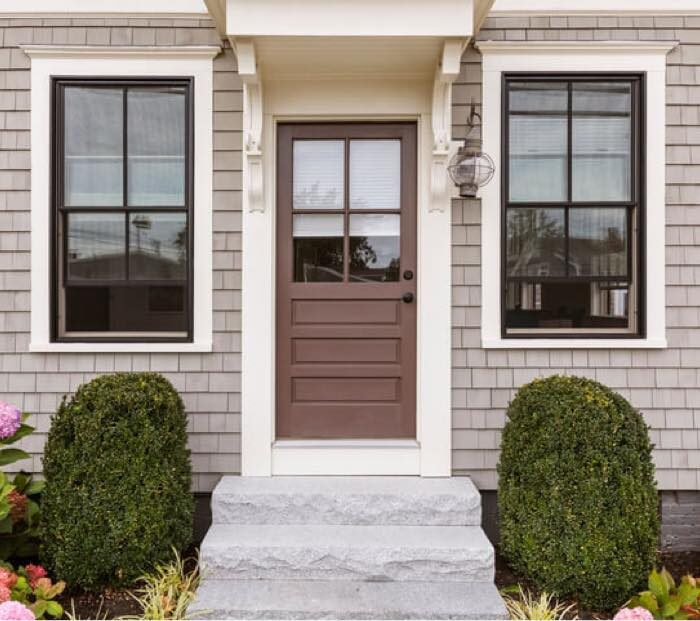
point(664, 384)
point(209, 383)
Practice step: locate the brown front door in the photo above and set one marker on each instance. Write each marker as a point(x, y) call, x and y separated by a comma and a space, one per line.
point(346, 280)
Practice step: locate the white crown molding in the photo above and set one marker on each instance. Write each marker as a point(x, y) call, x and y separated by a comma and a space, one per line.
point(576, 47)
point(130, 51)
point(507, 8)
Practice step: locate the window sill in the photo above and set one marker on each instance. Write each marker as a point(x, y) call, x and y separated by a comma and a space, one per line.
point(612, 343)
point(113, 348)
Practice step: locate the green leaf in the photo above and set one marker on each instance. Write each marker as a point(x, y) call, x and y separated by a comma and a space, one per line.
point(671, 607)
point(11, 455)
point(6, 525)
point(648, 600)
point(39, 609)
point(668, 579)
point(35, 487)
point(23, 431)
point(54, 609)
point(657, 585)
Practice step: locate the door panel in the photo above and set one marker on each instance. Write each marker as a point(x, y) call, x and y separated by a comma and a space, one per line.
point(346, 286)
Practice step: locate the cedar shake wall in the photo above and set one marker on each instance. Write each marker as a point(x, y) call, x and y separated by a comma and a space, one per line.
point(209, 383)
point(663, 384)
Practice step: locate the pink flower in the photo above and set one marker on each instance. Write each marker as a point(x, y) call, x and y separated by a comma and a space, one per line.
point(10, 420)
point(5, 593)
point(14, 611)
point(633, 614)
point(34, 573)
point(7, 578)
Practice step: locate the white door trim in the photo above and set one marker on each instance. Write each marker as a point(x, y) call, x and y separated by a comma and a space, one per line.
point(343, 100)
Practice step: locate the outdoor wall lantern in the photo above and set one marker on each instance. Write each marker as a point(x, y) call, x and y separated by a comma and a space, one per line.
point(470, 168)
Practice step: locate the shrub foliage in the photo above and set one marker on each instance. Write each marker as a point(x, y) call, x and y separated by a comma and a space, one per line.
point(577, 496)
point(117, 497)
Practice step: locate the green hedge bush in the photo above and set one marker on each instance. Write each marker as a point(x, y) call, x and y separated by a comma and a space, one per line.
point(117, 497)
point(577, 496)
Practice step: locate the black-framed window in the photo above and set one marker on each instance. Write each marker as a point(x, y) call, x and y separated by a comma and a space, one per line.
point(122, 210)
point(572, 206)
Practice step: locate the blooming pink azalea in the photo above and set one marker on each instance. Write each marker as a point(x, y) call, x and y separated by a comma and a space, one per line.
point(10, 420)
point(14, 611)
point(5, 593)
point(633, 614)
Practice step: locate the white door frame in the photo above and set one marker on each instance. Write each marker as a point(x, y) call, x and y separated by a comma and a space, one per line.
point(428, 103)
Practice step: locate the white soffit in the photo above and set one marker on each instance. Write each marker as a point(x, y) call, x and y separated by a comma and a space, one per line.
point(595, 7)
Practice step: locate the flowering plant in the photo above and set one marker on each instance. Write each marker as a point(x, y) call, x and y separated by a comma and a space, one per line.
point(666, 600)
point(30, 586)
point(14, 611)
point(19, 511)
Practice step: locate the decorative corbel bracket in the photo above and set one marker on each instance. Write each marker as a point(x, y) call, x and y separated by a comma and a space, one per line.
point(446, 73)
point(252, 124)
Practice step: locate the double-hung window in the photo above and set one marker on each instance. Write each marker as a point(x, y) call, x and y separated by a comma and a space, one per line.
point(122, 210)
point(572, 206)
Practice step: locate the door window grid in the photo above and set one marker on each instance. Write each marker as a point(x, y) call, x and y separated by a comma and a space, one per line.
point(337, 254)
point(556, 257)
point(146, 264)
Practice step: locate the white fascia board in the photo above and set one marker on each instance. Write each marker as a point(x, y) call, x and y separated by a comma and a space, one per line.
point(648, 58)
point(595, 7)
point(100, 7)
point(350, 18)
point(138, 62)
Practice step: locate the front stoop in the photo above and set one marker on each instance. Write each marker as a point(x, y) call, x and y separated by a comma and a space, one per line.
point(346, 548)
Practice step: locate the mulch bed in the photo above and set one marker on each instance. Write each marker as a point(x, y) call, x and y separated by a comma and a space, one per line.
point(113, 604)
point(678, 563)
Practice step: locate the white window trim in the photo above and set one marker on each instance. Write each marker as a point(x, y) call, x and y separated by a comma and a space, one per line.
point(570, 57)
point(50, 61)
point(502, 8)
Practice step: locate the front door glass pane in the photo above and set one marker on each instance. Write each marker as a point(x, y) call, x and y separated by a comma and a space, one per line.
point(318, 174)
point(93, 147)
point(375, 247)
point(375, 174)
point(318, 247)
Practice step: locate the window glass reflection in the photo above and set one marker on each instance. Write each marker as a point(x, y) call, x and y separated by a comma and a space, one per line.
point(375, 247)
point(375, 174)
point(318, 247)
point(93, 146)
point(158, 246)
point(535, 242)
point(598, 242)
point(96, 246)
point(318, 174)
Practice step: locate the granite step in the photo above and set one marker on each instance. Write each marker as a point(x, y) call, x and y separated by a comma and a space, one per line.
point(346, 500)
point(299, 599)
point(351, 553)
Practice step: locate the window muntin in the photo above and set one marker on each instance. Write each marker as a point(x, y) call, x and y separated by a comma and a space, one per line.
point(122, 210)
point(571, 210)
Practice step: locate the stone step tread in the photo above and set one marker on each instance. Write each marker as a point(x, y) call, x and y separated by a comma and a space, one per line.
point(331, 552)
point(300, 599)
point(346, 500)
point(345, 536)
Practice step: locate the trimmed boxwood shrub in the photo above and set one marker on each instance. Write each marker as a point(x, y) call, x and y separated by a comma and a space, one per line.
point(117, 497)
point(577, 496)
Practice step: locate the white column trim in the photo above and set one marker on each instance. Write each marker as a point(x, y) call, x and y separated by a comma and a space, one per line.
point(136, 63)
point(541, 57)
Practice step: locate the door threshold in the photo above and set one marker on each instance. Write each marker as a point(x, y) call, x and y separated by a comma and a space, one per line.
point(403, 443)
point(345, 457)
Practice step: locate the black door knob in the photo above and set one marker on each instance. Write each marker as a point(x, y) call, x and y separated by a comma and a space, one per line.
point(408, 275)
point(407, 298)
